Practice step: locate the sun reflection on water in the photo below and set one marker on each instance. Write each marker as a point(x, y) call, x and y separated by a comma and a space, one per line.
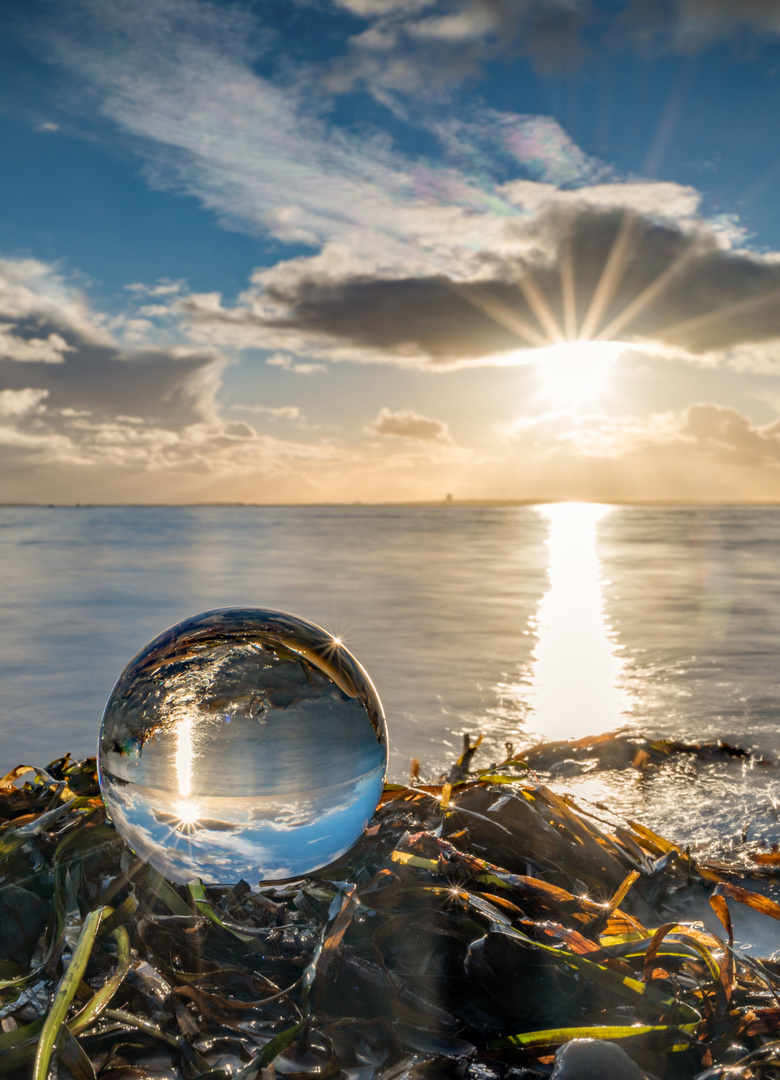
point(184, 756)
point(576, 675)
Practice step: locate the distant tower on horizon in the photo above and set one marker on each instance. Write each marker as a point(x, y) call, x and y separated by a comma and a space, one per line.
point(448, 498)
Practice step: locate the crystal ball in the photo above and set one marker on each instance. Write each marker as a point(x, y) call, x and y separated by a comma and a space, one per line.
point(242, 743)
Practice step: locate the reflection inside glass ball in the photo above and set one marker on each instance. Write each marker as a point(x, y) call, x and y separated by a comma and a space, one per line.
point(242, 743)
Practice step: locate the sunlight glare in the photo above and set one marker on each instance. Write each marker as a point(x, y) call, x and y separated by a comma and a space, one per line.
point(576, 374)
point(576, 674)
point(187, 813)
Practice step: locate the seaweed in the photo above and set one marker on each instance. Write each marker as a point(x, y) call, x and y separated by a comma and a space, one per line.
point(477, 926)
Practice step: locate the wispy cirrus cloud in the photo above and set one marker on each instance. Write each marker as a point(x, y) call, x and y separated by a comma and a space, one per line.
point(177, 78)
point(279, 412)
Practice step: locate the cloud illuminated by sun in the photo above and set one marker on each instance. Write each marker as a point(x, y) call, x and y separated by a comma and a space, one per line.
point(575, 374)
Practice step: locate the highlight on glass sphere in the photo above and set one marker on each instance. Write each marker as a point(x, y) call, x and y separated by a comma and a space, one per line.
point(242, 743)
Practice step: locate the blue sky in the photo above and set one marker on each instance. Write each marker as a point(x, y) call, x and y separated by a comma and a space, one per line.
point(339, 250)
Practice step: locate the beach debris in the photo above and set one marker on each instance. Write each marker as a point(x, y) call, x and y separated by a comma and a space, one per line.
point(623, 749)
point(471, 939)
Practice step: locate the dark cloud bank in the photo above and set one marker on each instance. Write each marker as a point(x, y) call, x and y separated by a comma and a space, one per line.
point(673, 284)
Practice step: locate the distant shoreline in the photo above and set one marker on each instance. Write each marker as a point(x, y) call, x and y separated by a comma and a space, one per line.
point(445, 503)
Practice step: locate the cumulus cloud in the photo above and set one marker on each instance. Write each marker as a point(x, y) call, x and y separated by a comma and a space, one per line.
point(522, 237)
point(702, 453)
point(409, 425)
point(733, 435)
point(71, 392)
point(19, 402)
point(423, 48)
point(140, 424)
point(674, 282)
point(462, 35)
point(28, 349)
point(178, 79)
point(420, 50)
point(700, 432)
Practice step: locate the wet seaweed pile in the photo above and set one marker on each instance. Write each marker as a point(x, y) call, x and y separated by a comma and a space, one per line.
point(477, 926)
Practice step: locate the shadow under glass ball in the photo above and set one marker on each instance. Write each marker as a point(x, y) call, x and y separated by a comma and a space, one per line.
point(242, 743)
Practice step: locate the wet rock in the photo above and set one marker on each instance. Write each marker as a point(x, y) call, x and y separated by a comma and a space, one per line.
point(594, 1059)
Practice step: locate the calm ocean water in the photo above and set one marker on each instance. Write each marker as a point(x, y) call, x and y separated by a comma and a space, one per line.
point(517, 622)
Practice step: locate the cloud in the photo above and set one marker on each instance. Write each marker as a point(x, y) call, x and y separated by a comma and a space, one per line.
point(70, 391)
point(50, 350)
point(408, 52)
point(163, 288)
point(700, 432)
point(20, 402)
point(423, 49)
point(702, 453)
point(113, 423)
point(671, 283)
point(702, 21)
point(538, 145)
point(761, 358)
point(409, 425)
point(47, 127)
point(282, 360)
point(282, 412)
point(178, 78)
point(732, 435)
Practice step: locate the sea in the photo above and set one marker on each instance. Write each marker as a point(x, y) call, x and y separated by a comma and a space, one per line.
point(516, 623)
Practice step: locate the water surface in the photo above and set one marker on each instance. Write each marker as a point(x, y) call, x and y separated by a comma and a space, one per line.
point(516, 622)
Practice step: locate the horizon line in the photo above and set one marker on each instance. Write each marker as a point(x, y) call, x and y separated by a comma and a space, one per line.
point(446, 502)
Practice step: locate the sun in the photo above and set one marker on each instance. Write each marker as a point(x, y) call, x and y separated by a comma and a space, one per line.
point(575, 374)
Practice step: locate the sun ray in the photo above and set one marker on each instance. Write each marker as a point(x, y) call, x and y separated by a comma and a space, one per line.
point(568, 291)
point(610, 276)
point(539, 305)
point(712, 318)
point(502, 314)
point(760, 185)
point(647, 296)
point(668, 122)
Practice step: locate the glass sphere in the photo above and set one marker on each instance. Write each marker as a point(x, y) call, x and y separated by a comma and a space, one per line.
point(242, 743)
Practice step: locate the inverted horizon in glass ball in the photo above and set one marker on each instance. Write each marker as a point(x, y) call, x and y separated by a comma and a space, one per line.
point(242, 743)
